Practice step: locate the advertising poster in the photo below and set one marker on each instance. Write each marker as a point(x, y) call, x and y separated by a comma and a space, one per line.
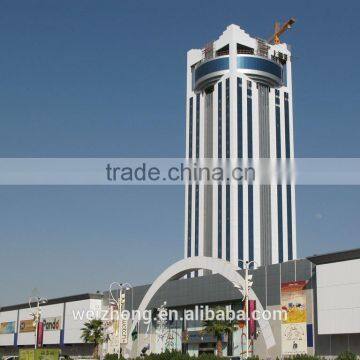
point(252, 321)
point(293, 325)
point(27, 326)
point(7, 327)
point(39, 354)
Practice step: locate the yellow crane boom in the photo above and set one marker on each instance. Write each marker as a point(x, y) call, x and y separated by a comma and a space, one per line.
point(280, 30)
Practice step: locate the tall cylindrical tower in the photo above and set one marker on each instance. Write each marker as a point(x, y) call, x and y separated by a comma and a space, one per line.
point(239, 105)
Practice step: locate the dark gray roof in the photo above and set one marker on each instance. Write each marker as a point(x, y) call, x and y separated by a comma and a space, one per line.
point(335, 257)
point(55, 301)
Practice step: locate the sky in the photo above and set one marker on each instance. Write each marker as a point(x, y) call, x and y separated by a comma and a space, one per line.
point(91, 78)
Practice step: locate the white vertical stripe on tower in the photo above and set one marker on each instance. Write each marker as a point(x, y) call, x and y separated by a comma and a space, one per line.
point(245, 156)
point(274, 205)
point(193, 185)
point(215, 187)
point(233, 149)
point(256, 154)
point(201, 187)
point(223, 229)
point(292, 145)
point(283, 186)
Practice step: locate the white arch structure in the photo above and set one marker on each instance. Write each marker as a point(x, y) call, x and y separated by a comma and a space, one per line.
point(216, 266)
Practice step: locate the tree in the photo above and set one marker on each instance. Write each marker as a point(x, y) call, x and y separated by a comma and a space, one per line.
point(93, 333)
point(218, 327)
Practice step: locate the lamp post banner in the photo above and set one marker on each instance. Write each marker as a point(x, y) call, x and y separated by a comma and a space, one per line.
point(40, 334)
point(293, 325)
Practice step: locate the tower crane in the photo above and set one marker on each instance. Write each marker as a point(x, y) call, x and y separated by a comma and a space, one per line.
point(279, 30)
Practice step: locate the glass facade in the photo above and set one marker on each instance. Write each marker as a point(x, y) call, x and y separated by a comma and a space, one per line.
point(228, 222)
point(279, 187)
point(280, 224)
point(220, 120)
point(240, 226)
point(196, 220)
point(260, 64)
point(287, 125)
point(211, 66)
point(240, 187)
point(243, 62)
point(251, 221)
point(219, 221)
point(189, 220)
point(197, 126)
point(278, 124)
point(239, 118)
point(227, 105)
point(250, 187)
point(190, 126)
point(289, 222)
point(249, 120)
point(219, 156)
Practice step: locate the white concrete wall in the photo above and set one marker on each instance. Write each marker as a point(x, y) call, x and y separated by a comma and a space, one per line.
point(73, 326)
point(338, 297)
point(26, 338)
point(56, 310)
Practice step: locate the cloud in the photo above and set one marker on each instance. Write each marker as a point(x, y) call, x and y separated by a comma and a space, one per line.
point(319, 216)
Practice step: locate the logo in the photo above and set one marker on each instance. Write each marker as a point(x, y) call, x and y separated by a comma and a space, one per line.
point(52, 323)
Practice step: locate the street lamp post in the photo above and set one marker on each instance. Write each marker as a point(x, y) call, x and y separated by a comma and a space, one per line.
point(37, 313)
point(119, 304)
point(248, 285)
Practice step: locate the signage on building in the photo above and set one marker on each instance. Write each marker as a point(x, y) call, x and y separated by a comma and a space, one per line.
point(27, 326)
point(52, 323)
point(293, 324)
point(7, 327)
point(198, 337)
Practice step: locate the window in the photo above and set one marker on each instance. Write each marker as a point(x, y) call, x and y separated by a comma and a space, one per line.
point(189, 220)
point(219, 221)
point(227, 118)
point(251, 222)
point(239, 118)
point(228, 222)
point(197, 220)
point(220, 120)
point(280, 224)
point(287, 125)
point(289, 222)
point(278, 124)
point(249, 120)
point(197, 126)
point(190, 126)
point(240, 226)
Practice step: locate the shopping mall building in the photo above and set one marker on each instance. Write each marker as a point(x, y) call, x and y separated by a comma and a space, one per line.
point(325, 289)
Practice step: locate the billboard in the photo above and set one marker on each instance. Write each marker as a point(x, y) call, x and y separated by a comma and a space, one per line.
point(7, 327)
point(27, 326)
point(52, 323)
point(39, 354)
point(293, 324)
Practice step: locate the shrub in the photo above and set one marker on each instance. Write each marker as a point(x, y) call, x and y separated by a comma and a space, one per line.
point(347, 355)
point(113, 357)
